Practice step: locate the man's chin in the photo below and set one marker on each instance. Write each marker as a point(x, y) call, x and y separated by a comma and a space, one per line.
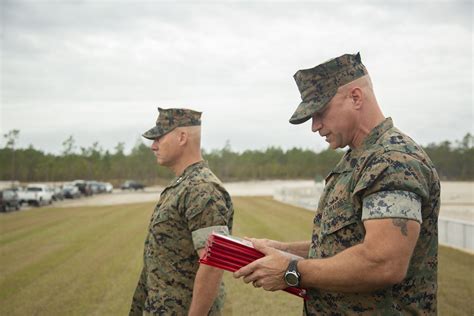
point(334, 146)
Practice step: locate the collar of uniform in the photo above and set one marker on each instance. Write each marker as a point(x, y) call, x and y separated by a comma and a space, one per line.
point(349, 161)
point(375, 134)
point(189, 169)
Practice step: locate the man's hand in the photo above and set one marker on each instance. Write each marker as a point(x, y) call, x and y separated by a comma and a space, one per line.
point(267, 272)
point(297, 248)
point(268, 243)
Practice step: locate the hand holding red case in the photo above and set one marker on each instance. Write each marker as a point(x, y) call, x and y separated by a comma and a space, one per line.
point(232, 253)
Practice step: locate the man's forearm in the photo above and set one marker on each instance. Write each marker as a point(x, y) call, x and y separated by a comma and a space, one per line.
point(299, 248)
point(380, 261)
point(349, 271)
point(205, 290)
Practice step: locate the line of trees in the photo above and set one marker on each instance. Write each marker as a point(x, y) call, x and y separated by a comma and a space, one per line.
point(88, 163)
point(272, 163)
point(454, 161)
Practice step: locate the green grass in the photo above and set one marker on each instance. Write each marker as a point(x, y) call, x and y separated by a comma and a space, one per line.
point(86, 260)
point(455, 282)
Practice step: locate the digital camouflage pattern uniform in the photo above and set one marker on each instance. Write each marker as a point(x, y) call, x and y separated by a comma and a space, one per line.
point(388, 176)
point(190, 208)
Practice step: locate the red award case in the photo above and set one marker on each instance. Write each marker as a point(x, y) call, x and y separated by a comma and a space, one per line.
point(231, 253)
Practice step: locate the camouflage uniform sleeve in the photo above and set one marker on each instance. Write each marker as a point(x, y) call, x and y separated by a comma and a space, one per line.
point(393, 175)
point(139, 296)
point(392, 204)
point(206, 211)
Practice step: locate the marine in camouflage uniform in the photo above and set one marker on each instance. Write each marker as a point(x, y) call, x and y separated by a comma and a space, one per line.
point(192, 206)
point(385, 185)
point(389, 176)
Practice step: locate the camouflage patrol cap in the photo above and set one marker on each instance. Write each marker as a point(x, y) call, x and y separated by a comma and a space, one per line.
point(319, 85)
point(169, 119)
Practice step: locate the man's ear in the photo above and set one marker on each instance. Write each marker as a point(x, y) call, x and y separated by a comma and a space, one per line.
point(183, 137)
point(357, 97)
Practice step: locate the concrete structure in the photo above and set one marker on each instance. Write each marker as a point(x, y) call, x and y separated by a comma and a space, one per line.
point(453, 230)
point(456, 233)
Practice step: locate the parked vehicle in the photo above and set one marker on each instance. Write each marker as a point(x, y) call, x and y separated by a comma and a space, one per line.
point(108, 187)
point(38, 194)
point(9, 200)
point(21, 192)
point(96, 187)
point(57, 194)
point(132, 185)
point(102, 188)
point(83, 186)
point(70, 191)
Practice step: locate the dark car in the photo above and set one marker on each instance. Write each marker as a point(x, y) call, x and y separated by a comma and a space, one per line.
point(102, 187)
point(83, 187)
point(132, 185)
point(9, 200)
point(96, 187)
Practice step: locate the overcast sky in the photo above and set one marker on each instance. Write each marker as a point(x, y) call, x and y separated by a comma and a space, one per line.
point(98, 70)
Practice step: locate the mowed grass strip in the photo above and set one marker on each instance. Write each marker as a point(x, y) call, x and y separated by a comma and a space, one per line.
point(455, 282)
point(84, 264)
point(86, 260)
point(263, 217)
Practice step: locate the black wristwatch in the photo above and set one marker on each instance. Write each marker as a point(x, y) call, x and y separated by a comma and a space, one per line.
point(292, 276)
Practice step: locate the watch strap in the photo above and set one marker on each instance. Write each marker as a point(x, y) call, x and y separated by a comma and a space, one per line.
point(293, 266)
point(293, 270)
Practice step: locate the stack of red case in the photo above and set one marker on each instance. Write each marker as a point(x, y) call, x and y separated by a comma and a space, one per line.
point(232, 253)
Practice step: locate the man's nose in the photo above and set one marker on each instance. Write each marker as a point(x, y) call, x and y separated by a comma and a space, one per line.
point(316, 123)
point(154, 145)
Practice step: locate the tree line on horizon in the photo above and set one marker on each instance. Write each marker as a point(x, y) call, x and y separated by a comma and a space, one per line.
point(453, 160)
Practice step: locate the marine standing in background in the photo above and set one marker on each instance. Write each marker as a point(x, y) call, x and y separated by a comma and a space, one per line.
point(374, 247)
point(192, 206)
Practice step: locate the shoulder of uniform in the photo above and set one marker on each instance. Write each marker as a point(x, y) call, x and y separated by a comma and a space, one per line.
point(395, 140)
point(202, 175)
point(200, 183)
point(395, 143)
point(202, 189)
point(395, 155)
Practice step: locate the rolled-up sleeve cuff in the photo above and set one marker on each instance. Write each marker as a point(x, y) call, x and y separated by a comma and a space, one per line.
point(392, 204)
point(200, 236)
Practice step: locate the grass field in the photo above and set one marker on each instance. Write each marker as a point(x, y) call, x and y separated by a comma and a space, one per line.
point(86, 260)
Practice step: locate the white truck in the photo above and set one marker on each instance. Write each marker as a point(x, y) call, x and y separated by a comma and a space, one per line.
point(37, 194)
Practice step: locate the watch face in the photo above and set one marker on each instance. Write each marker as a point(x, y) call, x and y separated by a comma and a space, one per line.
point(291, 279)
